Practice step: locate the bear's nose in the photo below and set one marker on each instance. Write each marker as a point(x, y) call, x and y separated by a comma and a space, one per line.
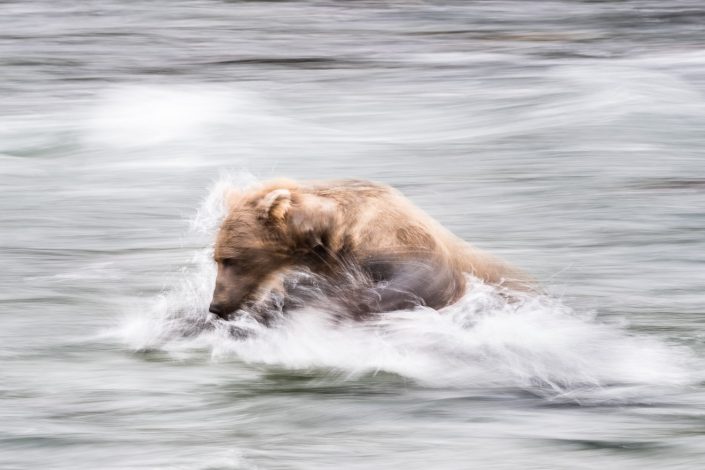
point(218, 310)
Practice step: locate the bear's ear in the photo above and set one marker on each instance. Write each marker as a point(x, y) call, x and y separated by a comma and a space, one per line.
point(275, 205)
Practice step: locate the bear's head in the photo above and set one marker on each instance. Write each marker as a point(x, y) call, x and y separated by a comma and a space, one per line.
point(265, 232)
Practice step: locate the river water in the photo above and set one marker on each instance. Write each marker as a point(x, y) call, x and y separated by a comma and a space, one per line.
point(564, 136)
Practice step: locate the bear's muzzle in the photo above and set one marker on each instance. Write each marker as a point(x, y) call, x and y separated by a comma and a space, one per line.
point(219, 310)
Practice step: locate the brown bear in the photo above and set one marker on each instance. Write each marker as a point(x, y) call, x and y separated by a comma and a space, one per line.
point(341, 231)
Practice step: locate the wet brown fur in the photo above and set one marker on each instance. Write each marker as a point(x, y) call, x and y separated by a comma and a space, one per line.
point(337, 227)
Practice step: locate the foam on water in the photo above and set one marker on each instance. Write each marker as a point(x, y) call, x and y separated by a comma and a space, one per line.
point(534, 342)
point(144, 115)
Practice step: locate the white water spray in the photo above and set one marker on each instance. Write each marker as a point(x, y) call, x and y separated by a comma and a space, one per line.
point(533, 342)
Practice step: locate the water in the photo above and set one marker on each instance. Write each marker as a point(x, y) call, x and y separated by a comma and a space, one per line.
point(566, 137)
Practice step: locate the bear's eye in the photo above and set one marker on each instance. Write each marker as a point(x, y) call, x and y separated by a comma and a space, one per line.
point(234, 265)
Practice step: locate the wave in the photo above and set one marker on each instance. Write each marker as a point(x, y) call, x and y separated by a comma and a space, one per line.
point(532, 342)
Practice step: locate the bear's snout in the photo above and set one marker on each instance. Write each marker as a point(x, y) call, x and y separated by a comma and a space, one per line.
point(223, 306)
point(237, 285)
point(219, 310)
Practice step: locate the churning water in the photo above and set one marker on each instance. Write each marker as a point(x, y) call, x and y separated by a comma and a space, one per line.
point(566, 137)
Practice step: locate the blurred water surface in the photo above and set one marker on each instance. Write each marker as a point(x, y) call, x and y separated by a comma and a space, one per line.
point(566, 136)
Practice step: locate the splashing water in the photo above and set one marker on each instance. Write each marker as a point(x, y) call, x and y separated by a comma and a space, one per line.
point(533, 342)
point(566, 138)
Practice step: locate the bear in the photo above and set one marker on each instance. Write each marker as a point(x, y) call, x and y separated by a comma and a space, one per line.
point(369, 245)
